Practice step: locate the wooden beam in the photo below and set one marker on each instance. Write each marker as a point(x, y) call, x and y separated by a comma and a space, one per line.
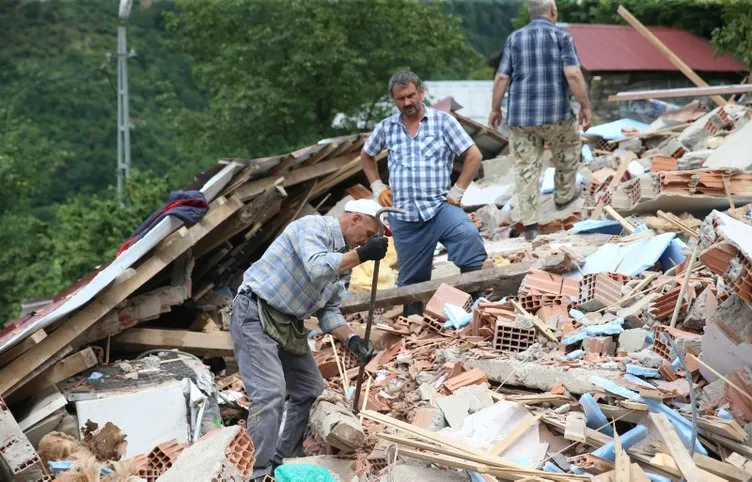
point(721, 469)
point(638, 475)
point(671, 56)
point(505, 280)
point(628, 227)
point(623, 471)
point(205, 344)
point(35, 371)
point(519, 430)
point(165, 253)
point(296, 176)
point(16, 351)
point(676, 448)
point(686, 92)
point(537, 322)
point(66, 368)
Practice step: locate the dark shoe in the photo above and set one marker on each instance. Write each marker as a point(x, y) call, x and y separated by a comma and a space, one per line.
point(577, 192)
point(531, 232)
point(414, 308)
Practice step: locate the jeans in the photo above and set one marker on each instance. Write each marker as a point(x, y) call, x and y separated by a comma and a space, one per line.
point(270, 373)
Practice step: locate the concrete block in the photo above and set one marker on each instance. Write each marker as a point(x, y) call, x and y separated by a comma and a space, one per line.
point(541, 377)
point(704, 306)
point(632, 340)
point(429, 418)
point(335, 424)
point(599, 345)
point(207, 459)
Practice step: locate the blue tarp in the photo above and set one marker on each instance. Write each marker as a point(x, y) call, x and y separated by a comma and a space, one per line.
point(603, 226)
point(630, 259)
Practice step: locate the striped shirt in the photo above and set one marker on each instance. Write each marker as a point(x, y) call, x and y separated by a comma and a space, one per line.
point(534, 58)
point(419, 167)
point(299, 273)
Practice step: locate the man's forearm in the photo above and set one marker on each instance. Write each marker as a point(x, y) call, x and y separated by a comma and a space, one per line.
point(370, 167)
point(349, 260)
point(470, 166)
point(342, 333)
point(499, 89)
point(578, 87)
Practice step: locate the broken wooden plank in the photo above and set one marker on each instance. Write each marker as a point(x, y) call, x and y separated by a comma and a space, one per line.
point(538, 323)
point(206, 344)
point(297, 176)
point(611, 189)
point(510, 439)
point(16, 351)
point(638, 475)
point(166, 252)
point(671, 56)
point(676, 448)
point(505, 280)
point(683, 92)
point(575, 428)
point(35, 371)
point(623, 469)
point(66, 368)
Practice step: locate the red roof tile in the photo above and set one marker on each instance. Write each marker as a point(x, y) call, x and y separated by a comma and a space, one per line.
point(621, 47)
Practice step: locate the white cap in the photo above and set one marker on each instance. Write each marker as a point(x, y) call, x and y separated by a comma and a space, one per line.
point(363, 206)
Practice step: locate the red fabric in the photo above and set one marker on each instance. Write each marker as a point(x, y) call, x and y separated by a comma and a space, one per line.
point(163, 212)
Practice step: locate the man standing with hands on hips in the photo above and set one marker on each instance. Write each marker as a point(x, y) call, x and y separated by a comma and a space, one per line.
point(422, 143)
point(304, 272)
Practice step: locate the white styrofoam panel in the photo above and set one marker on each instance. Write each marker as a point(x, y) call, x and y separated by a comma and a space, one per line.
point(148, 417)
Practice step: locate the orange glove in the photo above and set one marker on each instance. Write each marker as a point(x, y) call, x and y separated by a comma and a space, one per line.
point(385, 198)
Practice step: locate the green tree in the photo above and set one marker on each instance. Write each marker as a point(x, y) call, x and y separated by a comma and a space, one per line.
point(40, 258)
point(279, 71)
point(734, 35)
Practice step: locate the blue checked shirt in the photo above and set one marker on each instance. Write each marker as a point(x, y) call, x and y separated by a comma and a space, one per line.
point(534, 58)
point(299, 273)
point(419, 167)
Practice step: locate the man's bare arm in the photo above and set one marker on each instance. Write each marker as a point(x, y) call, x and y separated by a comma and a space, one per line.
point(369, 166)
point(470, 166)
point(501, 82)
point(577, 85)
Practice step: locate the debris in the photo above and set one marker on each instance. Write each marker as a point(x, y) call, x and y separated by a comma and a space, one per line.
point(335, 424)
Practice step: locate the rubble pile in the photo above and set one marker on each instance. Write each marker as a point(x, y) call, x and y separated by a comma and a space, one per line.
point(618, 340)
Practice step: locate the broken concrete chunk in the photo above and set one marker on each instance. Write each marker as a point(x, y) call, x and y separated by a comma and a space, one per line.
point(416, 472)
point(426, 391)
point(599, 345)
point(632, 340)
point(429, 418)
point(704, 306)
point(210, 459)
point(335, 424)
point(647, 358)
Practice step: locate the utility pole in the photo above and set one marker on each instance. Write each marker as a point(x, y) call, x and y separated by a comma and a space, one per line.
point(123, 117)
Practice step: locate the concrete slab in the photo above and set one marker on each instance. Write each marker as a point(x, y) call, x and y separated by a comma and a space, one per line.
point(342, 469)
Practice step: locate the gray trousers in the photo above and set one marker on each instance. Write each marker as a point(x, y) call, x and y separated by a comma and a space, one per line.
point(269, 373)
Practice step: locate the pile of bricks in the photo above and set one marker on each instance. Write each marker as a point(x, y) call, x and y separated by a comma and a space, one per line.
point(510, 337)
point(665, 350)
point(707, 183)
point(721, 238)
point(538, 282)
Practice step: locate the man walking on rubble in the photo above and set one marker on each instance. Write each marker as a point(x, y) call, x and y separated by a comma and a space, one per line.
point(422, 144)
point(304, 272)
point(540, 66)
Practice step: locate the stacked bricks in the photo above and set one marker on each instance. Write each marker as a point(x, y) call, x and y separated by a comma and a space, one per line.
point(662, 163)
point(664, 350)
point(16, 452)
point(663, 307)
point(433, 323)
point(725, 260)
point(598, 291)
point(447, 294)
point(511, 338)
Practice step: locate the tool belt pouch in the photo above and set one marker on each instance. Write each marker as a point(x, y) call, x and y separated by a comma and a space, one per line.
point(287, 330)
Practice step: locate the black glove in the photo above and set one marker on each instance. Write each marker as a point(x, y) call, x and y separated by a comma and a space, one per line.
point(361, 348)
point(373, 249)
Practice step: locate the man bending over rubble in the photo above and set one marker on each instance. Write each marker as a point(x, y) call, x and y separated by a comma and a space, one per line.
point(422, 144)
point(303, 273)
point(540, 66)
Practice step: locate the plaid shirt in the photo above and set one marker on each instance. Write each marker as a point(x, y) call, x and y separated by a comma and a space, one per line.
point(534, 58)
point(299, 273)
point(419, 167)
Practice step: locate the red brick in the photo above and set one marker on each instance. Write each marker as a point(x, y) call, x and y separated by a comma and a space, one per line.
point(739, 405)
point(599, 345)
point(447, 294)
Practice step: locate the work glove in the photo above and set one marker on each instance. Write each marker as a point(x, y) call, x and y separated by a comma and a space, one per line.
point(455, 195)
point(373, 249)
point(382, 193)
point(363, 349)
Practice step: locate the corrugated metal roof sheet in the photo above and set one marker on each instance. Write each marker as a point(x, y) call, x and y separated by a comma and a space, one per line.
point(621, 47)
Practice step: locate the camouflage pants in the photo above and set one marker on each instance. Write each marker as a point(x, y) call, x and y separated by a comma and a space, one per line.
point(526, 144)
